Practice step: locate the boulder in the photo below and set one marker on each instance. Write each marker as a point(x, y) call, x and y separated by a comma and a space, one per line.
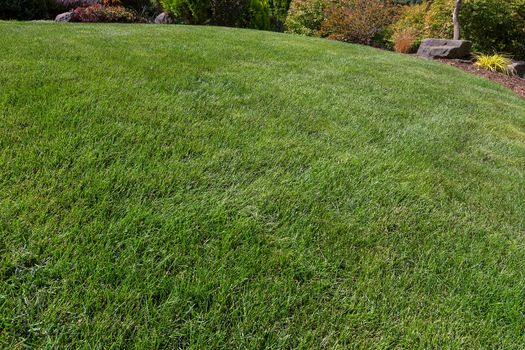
point(67, 17)
point(443, 48)
point(518, 68)
point(164, 18)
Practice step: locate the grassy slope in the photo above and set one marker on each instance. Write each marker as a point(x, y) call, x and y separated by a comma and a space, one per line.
point(166, 186)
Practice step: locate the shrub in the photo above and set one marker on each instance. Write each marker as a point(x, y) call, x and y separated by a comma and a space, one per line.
point(100, 13)
point(133, 4)
point(140, 6)
point(492, 25)
point(404, 41)
point(144, 8)
point(258, 15)
point(438, 20)
point(305, 17)
point(25, 9)
point(408, 2)
point(188, 11)
point(495, 25)
point(279, 10)
point(228, 12)
point(358, 21)
point(410, 22)
point(61, 6)
point(495, 63)
point(234, 13)
point(48, 9)
point(66, 5)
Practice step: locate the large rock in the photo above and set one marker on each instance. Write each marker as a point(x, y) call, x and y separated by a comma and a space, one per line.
point(164, 18)
point(443, 48)
point(518, 68)
point(67, 17)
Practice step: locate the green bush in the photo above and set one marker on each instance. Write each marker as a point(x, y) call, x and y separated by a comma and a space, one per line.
point(495, 25)
point(258, 15)
point(279, 10)
point(305, 17)
point(188, 11)
point(234, 13)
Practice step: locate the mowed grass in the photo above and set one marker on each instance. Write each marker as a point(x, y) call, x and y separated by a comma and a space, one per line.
point(168, 187)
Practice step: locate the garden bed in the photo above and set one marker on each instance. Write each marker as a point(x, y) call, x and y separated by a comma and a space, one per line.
point(514, 83)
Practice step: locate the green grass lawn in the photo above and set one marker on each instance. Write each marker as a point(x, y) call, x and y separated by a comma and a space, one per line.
point(169, 187)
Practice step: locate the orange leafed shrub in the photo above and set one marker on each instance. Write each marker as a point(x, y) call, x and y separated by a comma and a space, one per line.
point(357, 21)
point(404, 41)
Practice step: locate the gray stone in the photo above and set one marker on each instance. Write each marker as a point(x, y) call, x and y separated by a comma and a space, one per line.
point(518, 68)
point(164, 18)
point(67, 17)
point(444, 48)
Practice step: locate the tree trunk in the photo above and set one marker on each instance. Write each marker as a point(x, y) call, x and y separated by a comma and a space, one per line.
point(455, 19)
point(429, 3)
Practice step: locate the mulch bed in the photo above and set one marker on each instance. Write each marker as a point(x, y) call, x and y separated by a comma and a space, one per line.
point(514, 83)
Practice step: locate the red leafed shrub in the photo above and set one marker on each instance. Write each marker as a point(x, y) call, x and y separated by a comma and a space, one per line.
point(358, 21)
point(100, 13)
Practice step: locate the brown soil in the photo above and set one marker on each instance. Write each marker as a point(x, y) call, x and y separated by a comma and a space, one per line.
point(514, 83)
